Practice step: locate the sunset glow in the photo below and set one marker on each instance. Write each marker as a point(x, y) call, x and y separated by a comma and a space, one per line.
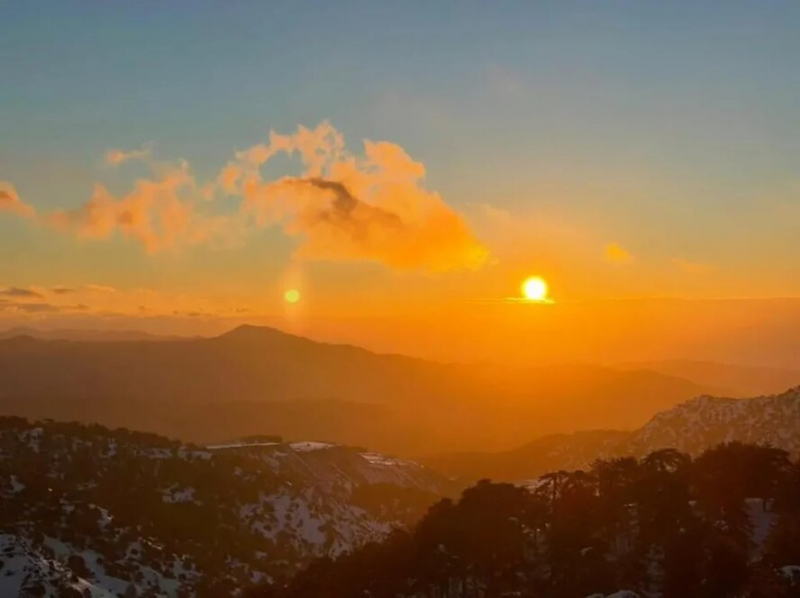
point(384, 207)
point(399, 299)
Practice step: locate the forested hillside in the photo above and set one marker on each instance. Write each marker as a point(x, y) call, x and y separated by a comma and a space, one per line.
point(723, 525)
point(88, 508)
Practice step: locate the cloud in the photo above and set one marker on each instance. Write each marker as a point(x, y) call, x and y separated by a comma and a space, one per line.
point(37, 308)
point(62, 290)
point(10, 202)
point(617, 254)
point(349, 208)
point(154, 213)
point(20, 293)
point(28, 308)
point(372, 207)
point(116, 157)
point(691, 267)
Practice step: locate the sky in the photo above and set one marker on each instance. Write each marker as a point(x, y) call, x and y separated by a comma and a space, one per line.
point(180, 166)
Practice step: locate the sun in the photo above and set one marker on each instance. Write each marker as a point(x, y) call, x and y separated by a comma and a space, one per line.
point(292, 296)
point(534, 289)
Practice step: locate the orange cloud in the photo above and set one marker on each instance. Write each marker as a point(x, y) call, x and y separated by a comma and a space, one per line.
point(116, 157)
point(154, 213)
point(10, 202)
point(349, 208)
point(342, 207)
point(616, 254)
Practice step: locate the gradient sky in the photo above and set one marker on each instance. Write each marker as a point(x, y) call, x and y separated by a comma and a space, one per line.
point(619, 149)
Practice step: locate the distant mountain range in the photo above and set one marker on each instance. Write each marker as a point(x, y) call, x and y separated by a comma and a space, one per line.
point(733, 380)
point(119, 513)
point(690, 427)
point(83, 334)
point(260, 380)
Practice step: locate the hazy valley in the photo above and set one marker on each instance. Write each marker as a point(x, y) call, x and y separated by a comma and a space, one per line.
point(256, 380)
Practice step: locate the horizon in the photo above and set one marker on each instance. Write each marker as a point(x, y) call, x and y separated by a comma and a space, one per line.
point(591, 156)
point(747, 332)
point(117, 334)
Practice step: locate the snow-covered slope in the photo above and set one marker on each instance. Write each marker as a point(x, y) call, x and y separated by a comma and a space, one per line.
point(706, 421)
point(99, 511)
point(30, 570)
point(690, 427)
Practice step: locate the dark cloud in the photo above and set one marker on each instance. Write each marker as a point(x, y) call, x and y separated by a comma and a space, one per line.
point(349, 213)
point(20, 292)
point(37, 308)
point(62, 290)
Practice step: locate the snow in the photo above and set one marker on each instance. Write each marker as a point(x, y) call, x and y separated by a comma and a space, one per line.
point(384, 461)
point(16, 485)
point(303, 447)
point(298, 498)
point(233, 445)
point(791, 572)
point(179, 496)
point(692, 425)
point(25, 567)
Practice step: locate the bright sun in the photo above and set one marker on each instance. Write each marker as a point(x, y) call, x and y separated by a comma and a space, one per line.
point(534, 289)
point(292, 296)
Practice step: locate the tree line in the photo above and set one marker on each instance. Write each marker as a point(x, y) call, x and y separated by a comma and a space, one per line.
point(725, 524)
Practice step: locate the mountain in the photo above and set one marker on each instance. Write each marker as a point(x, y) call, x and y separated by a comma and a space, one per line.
point(248, 380)
point(80, 334)
point(549, 453)
point(691, 427)
point(721, 525)
point(734, 380)
point(705, 421)
point(88, 508)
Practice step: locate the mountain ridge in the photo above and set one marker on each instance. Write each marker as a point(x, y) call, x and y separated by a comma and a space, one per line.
point(426, 404)
point(691, 427)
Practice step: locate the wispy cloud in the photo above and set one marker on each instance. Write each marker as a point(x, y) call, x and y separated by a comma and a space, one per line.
point(159, 213)
point(616, 254)
point(10, 202)
point(37, 308)
point(20, 292)
point(62, 290)
point(116, 157)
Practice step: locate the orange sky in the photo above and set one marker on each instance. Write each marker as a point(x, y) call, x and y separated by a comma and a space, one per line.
point(405, 185)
